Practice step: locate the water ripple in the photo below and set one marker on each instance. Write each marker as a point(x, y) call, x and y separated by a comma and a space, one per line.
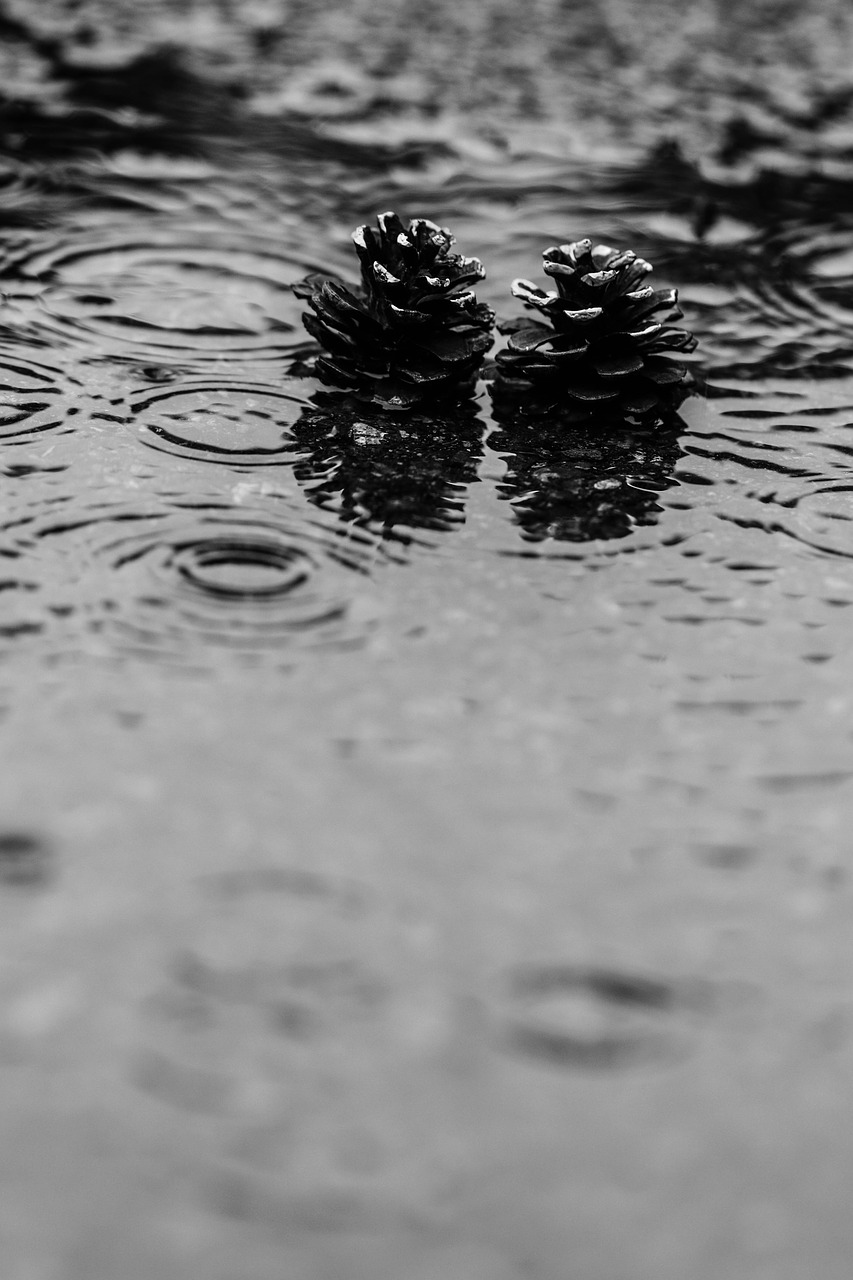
point(764, 493)
point(243, 425)
point(186, 581)
point(159, 295)
point(36, 395)
point(147, 310)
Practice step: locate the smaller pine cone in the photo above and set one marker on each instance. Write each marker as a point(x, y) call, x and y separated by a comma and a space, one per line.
point(414, 331)
point(605, 349)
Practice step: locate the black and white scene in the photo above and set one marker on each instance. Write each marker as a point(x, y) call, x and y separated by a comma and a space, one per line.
point(426, 673)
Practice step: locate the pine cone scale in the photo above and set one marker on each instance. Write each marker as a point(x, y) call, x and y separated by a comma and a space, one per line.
point(592, 391)
point(616, 364)
point(553, 357)
point(421, 376)
point(408, 319)
point(334, 371)
point(338, 321)
point(333, 339)
point(584, 315)
point(664, 372)
point(457, 346)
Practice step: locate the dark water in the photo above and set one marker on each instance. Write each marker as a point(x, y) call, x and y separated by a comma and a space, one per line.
point(177, 498)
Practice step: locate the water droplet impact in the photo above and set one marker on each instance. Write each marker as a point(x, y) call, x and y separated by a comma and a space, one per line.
point(248, 425)
point(195, 299)
point(189, 583)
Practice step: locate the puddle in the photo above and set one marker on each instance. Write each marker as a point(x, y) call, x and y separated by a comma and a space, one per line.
point(518, 685)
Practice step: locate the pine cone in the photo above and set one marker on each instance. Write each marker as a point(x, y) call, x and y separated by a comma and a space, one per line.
point(414, 331)
point(603, 352)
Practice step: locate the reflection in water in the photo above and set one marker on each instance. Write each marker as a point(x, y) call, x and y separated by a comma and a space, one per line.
point(573, 482)
point(146, 307)
point(383, 470)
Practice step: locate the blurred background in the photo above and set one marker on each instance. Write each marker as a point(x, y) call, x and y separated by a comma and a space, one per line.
point(610, 71)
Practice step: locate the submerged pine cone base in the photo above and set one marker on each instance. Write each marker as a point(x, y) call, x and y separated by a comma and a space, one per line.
point(605, 349)
point(414, 331)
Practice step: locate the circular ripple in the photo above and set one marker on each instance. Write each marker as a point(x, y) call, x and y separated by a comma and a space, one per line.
point(238, 424)
point(187, 584)
point(241, 570)
point(178, 297)
point(822, 519)
point(35, 395)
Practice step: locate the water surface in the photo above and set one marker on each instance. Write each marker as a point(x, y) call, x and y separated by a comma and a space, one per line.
point(427, 840)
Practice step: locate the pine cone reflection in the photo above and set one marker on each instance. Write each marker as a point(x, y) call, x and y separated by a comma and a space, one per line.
point(385, 471)
point(575, 483)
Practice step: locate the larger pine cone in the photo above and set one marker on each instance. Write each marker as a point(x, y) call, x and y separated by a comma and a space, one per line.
point(414, 331)
point(604, 350)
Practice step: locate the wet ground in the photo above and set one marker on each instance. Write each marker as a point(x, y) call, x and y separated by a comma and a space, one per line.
point(425, 847)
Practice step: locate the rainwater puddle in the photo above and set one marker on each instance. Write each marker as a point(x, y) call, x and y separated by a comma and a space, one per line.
point(176, 488)
point(648, 632)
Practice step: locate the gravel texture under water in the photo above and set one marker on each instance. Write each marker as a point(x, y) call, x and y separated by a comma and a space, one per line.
point(426, 845)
